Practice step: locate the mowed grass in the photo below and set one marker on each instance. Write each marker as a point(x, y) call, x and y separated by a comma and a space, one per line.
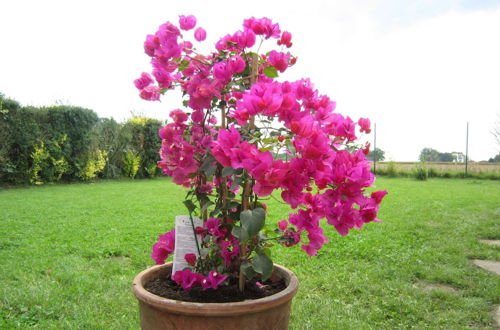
point(68, 254)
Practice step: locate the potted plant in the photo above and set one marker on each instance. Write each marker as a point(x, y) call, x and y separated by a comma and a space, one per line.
point(244, 137)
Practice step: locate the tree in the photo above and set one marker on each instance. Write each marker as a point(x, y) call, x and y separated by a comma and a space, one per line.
point(429, 155)
point(377, 155)
point(446, 157)
point(495, 159)
point(458, 157)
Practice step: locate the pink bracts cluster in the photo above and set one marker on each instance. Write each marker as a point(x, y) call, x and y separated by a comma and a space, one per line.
point(324, 175)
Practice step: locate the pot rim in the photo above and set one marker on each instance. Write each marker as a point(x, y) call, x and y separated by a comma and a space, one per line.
point(214, 309)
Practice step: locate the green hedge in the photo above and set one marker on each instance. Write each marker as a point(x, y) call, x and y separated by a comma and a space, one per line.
point(69, 143)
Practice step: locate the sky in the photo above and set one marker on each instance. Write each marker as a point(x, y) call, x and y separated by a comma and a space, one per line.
point(418, 69)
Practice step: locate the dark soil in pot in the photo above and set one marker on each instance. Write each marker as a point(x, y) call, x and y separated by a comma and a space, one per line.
point(167, 288)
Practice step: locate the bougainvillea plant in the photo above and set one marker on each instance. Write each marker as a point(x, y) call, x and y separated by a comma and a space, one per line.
point(244, 136)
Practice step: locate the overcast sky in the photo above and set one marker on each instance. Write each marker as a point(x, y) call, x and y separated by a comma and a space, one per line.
point(420, 69)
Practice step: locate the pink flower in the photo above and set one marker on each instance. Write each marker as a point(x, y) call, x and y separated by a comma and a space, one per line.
point(150, 93)
point(222, 71)
point(212, 225)
point(286, 38)
point(163, 78)
point(213, 280)
point(263, 26)
point(364, 123)
point(190, 258)
point(236, 64)
point(206, 188)
point(279, 60)
point(200, 34)
point(144, 81)
point(197, 116)
point(201, 91)
point(283, 224)
point(187, 46)
point(187, 22)
point(178, 116)
point(151, 44)
point(316, 241)
point(229, 250)
point(222, 149)
point(187, 279)
point(378, 195)
point(164, 247)
point(366, 149)
point(304, 127)
point(245, 39)
point(293, 237)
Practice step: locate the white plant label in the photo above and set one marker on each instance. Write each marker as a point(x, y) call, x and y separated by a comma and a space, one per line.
point(185, 241)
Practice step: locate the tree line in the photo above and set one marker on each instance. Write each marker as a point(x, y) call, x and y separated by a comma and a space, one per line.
point(432, 155)
point(70, 143)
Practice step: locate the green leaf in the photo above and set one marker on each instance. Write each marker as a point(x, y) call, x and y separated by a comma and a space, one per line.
point(190, 205)
point(267, 252)
point(240, 233)
point(236, 182)
point(271, 72)
point(226, 171)
point(206, 206)
point(215, 212)
point(275, 133)
point(248, 270)
point(253, 220)
point(273, 233)
point(209, 166)
point(183, 65)
point(290, 146)
point(262, 264)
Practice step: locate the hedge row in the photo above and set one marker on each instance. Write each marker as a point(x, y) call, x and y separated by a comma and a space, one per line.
point(49, 144)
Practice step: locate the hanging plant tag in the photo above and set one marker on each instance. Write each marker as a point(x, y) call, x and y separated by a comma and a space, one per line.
point(186, 240)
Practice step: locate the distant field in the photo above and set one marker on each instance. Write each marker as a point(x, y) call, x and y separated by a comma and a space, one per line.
point(472, 167)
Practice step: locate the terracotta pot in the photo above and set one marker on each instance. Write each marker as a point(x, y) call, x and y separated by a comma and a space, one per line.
point(272, 312)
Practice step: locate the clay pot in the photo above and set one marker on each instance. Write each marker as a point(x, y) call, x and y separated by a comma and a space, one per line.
point(272, 312)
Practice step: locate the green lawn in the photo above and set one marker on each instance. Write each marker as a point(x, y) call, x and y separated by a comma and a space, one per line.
point(68, 254)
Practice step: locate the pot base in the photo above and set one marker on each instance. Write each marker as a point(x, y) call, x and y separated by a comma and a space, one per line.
point(272, 312)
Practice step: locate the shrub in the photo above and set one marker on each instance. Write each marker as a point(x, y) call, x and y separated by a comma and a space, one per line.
point(106, 136)
point(432, 173)
point(152, 170)
point(76, 123)
point(392, 170)
point(421, 173)
point(131, 163)
point(19, 134)
point(45, 167)
point(447, 175)
point(141, 134)
point(47, 144)
point(95, 164)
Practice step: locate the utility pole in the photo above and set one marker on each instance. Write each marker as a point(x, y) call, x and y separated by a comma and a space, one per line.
point(466, 147)
point(374, 148)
